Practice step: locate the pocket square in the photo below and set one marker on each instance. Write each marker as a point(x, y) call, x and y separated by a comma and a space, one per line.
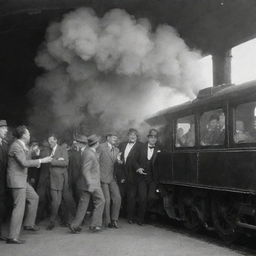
point(61, 158)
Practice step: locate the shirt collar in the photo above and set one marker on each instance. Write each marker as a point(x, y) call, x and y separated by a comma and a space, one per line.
point(93, 149)
point(109, 145)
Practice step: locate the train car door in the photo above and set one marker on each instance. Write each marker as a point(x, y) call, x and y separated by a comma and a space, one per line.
point(241, 173)
point(213, 147)
point(185, 154)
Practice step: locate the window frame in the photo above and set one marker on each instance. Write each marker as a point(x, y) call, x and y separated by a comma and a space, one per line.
point(233, 107)
point(193, 114)
point(224, 108)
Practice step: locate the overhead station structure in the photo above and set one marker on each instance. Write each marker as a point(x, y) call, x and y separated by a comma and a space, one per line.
point(212, 26)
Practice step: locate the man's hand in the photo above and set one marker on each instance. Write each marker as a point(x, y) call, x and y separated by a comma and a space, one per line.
point(46, 160)
point(119, 158)
point(141, 171)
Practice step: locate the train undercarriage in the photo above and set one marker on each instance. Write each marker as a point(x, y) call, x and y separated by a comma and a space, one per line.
point(227, 213)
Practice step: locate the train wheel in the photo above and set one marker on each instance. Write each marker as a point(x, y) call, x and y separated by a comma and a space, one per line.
point(188, 211)
point(224, 216)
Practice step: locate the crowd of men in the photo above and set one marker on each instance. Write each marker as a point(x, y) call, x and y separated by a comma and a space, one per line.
point(101, 177)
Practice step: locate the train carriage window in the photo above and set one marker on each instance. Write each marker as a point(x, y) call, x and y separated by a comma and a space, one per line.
point(212, 128)
point(185, 132)
point(245, 123)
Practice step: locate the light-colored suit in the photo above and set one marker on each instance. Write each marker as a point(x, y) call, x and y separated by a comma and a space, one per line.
point(19, 159)
point(59, 184)
point(89, 184)
point(107, 160)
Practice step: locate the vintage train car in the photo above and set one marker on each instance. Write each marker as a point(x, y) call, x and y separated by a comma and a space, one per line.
point(207, 170)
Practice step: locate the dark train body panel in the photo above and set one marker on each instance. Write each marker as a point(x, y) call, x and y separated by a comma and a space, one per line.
point(208, 168)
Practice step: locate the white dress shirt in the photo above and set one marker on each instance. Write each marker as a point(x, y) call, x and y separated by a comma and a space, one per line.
point(53, 150)
point(150, 152)
point(127, 150)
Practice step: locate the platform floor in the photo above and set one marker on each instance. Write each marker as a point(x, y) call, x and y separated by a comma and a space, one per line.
point(129, 240)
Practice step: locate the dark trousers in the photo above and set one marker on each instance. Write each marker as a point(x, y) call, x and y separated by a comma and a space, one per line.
point(144, 193)
point(43, 192)
point(64, 196)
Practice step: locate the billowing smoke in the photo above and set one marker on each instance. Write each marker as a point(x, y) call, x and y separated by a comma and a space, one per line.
point(109, 73)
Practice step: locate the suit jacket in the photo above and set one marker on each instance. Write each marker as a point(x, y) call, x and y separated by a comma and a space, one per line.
point(19, 159)
point(90, 171)
point(58, 169)
point(131, 165)
point(147, 165)
point(3, 166)
point(107, 161)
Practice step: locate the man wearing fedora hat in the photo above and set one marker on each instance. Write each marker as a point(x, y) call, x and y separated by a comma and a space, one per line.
point(146, 176)
point(3, 169)
point(89, 184)
point(108, 156)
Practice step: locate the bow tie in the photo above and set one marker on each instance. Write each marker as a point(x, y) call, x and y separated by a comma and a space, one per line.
point(151, 147)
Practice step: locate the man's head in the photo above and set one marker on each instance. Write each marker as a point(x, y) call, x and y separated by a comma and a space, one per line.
point(213, 122)
point(222, 120)
point(3, 129)
point(112, 138)
point(180, 132)
point(52, 139)
point(93, 141)
point(132, 135)
point(22, 133)
point(152, 137)
point(81, 141)
point(239, 126)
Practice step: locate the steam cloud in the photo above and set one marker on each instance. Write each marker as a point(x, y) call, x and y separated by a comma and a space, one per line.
point(109, 73)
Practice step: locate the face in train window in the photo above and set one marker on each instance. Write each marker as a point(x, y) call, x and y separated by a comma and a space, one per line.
point(185, 132)
point(245, 123)
point(212, 128)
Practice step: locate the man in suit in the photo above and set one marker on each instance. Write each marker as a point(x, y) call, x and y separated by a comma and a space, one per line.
point(3, 170)
point(59, 185)
point(108, 156)
point(145, 174)
point(129, 151)
point(19, 159)
point(89, 184)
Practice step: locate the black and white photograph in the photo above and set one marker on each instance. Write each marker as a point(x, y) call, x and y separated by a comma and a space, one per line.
point(127, 127)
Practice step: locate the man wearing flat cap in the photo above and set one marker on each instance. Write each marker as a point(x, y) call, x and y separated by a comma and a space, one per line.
point(3, 170)
point(108, 156)
point(89, 184)
point(146, 176)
